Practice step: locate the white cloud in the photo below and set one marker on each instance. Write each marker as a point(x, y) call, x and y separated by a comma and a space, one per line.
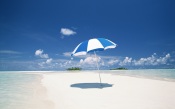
point(45, 59)
point(90, 60)
point(41, 54)
point(113, 61)
point(38, 52)
point(126, 61)
point(164, 59)
point(91, 63)
point(67, 32)
point(81, 61)
point(41, 64)
point(66, 63)
point(152, 60)
point(44, 56)
point(67, 54)
point(48, 61)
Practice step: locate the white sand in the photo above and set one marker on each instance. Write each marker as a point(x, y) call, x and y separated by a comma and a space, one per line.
point(126, 92)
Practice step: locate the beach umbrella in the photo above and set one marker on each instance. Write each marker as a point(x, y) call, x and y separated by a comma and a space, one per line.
point(93, 45)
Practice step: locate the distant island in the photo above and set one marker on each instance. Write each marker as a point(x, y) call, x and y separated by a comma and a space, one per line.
point(120, 68)
point(74, 68)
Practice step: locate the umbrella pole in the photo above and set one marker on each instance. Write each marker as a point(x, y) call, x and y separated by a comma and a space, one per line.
point(97, 66)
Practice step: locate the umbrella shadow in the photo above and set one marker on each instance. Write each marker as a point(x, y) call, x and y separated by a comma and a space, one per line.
point(91, 85)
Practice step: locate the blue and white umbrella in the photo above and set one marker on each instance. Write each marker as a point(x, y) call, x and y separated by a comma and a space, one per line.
point(96, 44)
point(92, 45)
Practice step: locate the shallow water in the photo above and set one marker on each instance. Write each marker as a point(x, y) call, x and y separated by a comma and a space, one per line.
point(161, 74)
point(22, 91)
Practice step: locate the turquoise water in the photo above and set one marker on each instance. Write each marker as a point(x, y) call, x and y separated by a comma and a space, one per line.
point(161, 74)
point(18, 90)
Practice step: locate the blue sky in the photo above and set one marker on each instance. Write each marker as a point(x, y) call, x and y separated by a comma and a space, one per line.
point(40, 35)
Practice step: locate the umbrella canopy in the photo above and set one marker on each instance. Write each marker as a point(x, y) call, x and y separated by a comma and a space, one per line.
point(96, 44)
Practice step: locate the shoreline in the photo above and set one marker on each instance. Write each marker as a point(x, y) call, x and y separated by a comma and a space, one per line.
point(23, 91)
point(40, 95)
point(130, 73)
point(113, 73)
point(81, 91)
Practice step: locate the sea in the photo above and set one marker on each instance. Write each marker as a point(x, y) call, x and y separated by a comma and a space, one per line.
point(24, 90)
point(158, 74)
